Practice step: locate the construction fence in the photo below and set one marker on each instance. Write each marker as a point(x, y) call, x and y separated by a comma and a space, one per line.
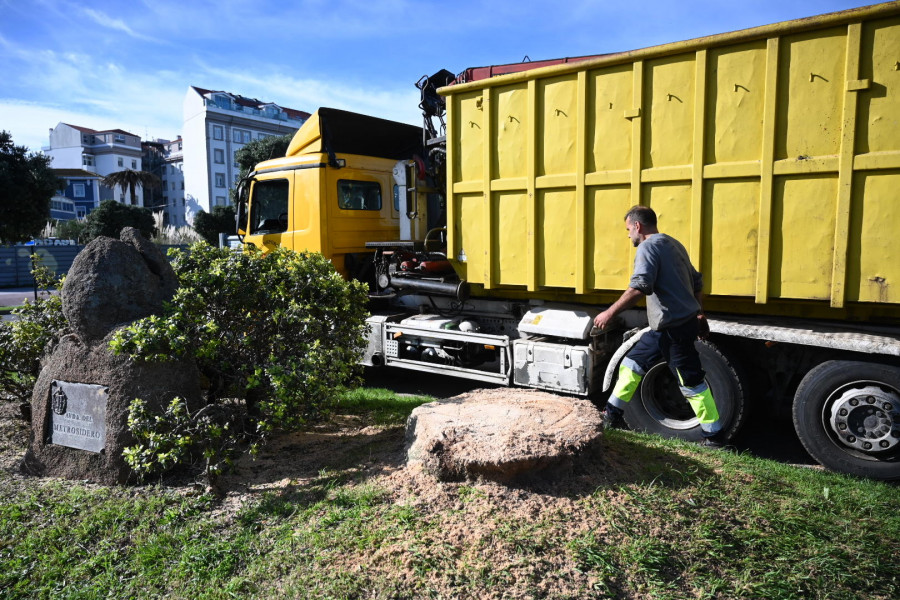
point(15, 262)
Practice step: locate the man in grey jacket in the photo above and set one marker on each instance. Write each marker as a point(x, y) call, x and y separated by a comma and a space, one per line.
point(673, 288)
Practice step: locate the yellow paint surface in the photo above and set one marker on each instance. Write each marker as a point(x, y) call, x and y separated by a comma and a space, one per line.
point(468, 132)
point(669, 103)
point(737, 95)
point(802, 237)
point(557, 126)
point(509, 256)
point(874, 243)
point(608, 246)
point(509, 123)
point(609, 134)
point(556, 260)
point(810, 94)
point(730, 215)
point(671, 201)
point(469, 225)
point(721, 136)
point(879, 108)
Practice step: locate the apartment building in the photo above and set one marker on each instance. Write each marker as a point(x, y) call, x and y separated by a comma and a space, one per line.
point(100, 152)
point(80, 196)
point(165, 159)
point(216, 125)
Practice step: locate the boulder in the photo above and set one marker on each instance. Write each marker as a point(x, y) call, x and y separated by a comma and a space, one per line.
point(502, 435)
point(79, 406)
point(113, 282)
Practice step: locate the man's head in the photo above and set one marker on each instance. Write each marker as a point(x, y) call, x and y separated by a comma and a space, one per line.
point(640, 221)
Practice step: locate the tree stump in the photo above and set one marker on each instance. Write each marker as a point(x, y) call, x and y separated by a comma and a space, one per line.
point(502, 435)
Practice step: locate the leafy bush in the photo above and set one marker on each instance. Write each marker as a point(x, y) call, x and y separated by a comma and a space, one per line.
point(69, 230)
point(211, 224)
point(34, 332)
point(26, 185)
point(280, 333)
point(176, 436)
point(111, 217)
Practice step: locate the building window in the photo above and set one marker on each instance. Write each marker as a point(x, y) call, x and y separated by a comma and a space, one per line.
point(182, 185)
point(220, 201)
point(78, 190)
point(80, 211)
point(220, 180)
point(133, 164)
point(121, 162)
point(219, 156)
point(120, 138)
point(217, 134)
point(173, 186)
point(179, 145)
point(87, 160)
point(241, 136)
point(172, 169)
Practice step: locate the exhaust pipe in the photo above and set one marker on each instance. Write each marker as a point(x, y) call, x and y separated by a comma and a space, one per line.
point(459, 290)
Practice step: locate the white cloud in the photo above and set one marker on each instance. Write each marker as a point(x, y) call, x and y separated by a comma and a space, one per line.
point(100, 94)
point(106, 21)
point(309, 94)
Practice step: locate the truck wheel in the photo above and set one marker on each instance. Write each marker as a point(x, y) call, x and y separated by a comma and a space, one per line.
point(659, 407)
point(847, 415)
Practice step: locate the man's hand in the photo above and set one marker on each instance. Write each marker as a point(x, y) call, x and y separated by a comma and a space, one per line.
point(603, 319)
point(702, 327)
point(628, 299)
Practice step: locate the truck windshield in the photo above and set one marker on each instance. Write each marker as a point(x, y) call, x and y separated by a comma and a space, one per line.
point(269, 206)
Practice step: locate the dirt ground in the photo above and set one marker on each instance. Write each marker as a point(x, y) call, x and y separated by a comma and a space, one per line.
point(375, 455)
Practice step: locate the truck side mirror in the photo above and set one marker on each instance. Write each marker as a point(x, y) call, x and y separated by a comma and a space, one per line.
point(240, 217)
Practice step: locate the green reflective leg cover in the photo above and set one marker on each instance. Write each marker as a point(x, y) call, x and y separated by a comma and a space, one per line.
point(701, 400)
point(626, 385)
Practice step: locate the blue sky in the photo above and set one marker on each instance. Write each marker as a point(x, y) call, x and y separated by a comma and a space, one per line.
point(115, 64)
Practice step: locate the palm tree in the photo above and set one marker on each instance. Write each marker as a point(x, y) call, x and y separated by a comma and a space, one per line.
point(130, 180)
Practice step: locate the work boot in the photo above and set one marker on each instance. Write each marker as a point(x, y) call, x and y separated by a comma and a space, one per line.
point(613, 418)
point(712, 441)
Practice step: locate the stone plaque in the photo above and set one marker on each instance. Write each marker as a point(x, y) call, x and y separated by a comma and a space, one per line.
point(78, 415)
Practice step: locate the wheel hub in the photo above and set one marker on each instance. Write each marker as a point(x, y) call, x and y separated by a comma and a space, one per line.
point(867, 418)
point(663, 400)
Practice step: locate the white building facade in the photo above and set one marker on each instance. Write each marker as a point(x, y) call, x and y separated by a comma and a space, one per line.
point(216, 125)
point(100, 152)
point(173, 182)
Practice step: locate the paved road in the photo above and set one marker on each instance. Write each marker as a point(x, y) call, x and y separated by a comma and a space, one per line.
point(761, 435)
point(16, 296)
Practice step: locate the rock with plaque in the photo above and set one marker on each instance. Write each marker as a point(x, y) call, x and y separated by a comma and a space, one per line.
point(80, 401)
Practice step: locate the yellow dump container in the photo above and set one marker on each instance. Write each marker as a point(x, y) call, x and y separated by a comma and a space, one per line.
point(772, 153)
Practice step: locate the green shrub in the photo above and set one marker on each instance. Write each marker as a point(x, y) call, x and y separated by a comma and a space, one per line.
point(25, 340)
point(280, 334)
point(175, 437)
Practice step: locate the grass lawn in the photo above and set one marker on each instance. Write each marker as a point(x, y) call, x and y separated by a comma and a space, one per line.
point(333, 513)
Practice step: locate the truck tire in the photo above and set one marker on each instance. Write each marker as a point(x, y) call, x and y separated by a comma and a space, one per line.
point(659, 407)
point(847, 415)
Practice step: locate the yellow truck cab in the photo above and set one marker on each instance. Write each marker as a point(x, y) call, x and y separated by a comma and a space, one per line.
point(333, 191)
